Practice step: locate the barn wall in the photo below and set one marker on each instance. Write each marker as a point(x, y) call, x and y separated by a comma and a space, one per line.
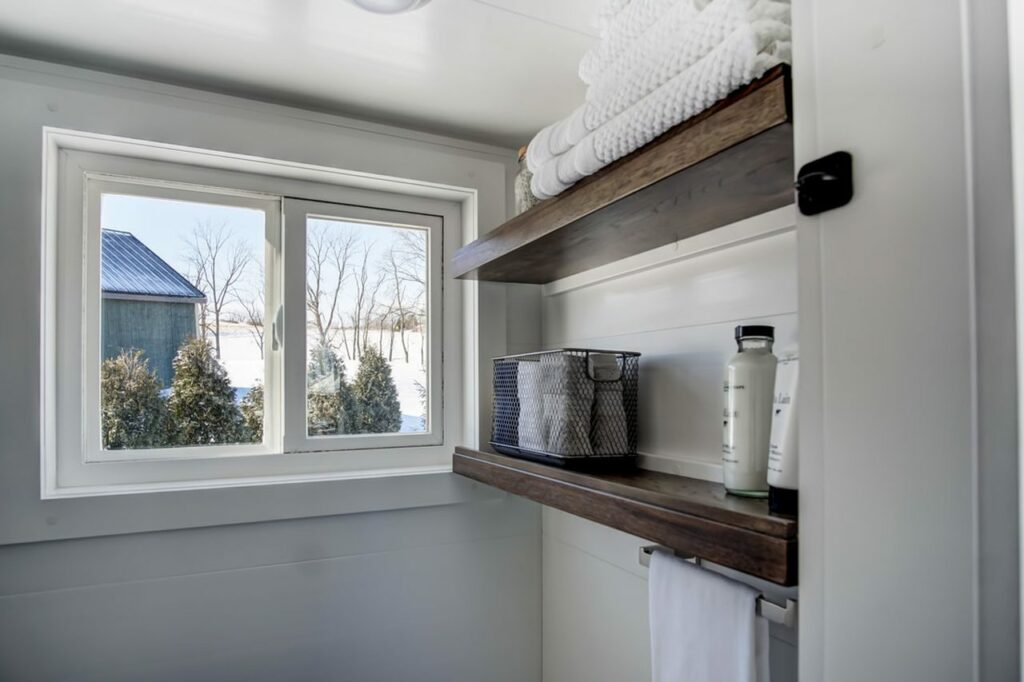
point(157, 328)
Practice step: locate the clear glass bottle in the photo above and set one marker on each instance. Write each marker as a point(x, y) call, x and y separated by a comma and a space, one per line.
point(747, 418)
point(525, 198)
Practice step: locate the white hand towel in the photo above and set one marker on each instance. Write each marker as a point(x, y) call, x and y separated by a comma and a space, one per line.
point(704, 627)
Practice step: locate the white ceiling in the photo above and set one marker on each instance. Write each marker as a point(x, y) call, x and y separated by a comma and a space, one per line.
point(488, 70)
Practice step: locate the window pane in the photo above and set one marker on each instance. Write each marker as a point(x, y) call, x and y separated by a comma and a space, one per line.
point(366, 328)
point(182, 323)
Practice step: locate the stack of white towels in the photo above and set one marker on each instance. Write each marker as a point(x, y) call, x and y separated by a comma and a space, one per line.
point(658, 63)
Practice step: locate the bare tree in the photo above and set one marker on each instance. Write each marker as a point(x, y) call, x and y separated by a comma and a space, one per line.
point(412, 256)
point(409, 266)
point(328, 254)
point(217, 261)
point(391, 336)
point(364, 290)
point(397, 263)
point(253, 310)
point(372, 305)
point(383, 320)
point(252, 316)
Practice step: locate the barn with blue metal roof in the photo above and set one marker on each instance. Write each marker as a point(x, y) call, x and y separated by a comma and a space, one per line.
point(147, 304)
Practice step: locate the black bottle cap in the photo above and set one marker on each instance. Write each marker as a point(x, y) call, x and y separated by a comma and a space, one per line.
point(762, 330)
point(782, 501)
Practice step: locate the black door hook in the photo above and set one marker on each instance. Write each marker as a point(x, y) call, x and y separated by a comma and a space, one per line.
point(825, 184)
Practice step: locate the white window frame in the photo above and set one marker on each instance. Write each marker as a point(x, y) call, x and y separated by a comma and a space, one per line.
point(86, 366)
point(106, 159)
point(296, 212)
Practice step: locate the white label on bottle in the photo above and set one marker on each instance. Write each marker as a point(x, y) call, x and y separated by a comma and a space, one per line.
point(746, 420)
point(782, 450)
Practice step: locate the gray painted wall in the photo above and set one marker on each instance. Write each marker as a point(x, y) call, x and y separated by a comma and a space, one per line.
point(411, 578)
point(997, 361)
point(37, 94)
point(441, 594)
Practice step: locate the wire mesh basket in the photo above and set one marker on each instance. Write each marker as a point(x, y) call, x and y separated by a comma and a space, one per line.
point(571, 406)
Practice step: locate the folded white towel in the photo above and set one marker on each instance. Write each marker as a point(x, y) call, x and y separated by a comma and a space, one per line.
point(670, 46)
point(568, 425)
point(609, 430)
point(741, 57)
point(609, 11)
point(530, 388)
point(621, 24)
point(568, 398)
point(673, 44)
point(704, 627)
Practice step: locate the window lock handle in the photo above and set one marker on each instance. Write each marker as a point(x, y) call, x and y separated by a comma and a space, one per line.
point(275, 329)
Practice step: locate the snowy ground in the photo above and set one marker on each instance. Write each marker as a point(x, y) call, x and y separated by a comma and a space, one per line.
point(240, 356)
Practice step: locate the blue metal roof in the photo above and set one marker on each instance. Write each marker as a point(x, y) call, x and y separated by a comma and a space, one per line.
point(129, 268)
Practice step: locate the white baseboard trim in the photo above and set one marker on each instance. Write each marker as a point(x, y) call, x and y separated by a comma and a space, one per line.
point(682, 465)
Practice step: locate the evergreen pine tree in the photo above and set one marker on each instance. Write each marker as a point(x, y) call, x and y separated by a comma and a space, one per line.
point(330, 408)
point(133, 413)
point(375, 392)
point(348, 422)
point(251, 407)
point(202, 403)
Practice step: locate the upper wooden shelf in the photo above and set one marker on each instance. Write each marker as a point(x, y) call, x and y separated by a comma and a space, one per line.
point(731, 162)
point(690, 516)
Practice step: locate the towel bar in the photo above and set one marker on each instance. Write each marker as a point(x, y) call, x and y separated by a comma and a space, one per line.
point(783, 615)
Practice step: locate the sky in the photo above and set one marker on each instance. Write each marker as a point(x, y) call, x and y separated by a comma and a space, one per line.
point(165, 226)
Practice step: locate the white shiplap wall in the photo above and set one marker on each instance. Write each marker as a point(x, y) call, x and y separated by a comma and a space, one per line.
point(679, 310)
point(677, 306)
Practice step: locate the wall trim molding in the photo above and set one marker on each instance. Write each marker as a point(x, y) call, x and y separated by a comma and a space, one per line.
point(55, 481)
point(23, 68)
point(681, 465)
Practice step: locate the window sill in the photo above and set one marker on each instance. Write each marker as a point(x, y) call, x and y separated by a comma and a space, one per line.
point(238, 482)
point(91, 513)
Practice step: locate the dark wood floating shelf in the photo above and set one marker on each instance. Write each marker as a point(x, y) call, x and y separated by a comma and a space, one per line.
point(690, 516)
point(731, 162)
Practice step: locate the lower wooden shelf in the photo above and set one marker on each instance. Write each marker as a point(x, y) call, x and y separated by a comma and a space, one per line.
point(690, 516)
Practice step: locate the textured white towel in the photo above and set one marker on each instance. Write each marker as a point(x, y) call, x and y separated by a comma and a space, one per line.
point(609, 11)
point(621, 24)
point(739, 59)
point(671, 45)
point(609, 430)
point(568, 398)
point(704, 627)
